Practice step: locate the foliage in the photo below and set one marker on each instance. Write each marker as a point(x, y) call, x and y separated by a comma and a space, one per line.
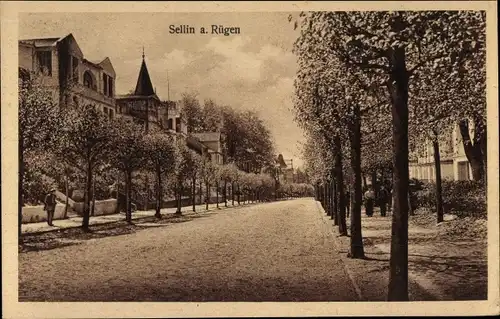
point(192, 113)
point(465, 198)
point(39, 116)
point(128, 151)
point(85, 139)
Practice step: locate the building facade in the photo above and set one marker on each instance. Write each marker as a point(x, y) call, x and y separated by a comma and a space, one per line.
point(60, 66)
point(213, 142)
point(454, 163)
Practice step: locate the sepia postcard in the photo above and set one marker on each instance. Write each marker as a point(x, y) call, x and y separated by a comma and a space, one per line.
point(229, 159)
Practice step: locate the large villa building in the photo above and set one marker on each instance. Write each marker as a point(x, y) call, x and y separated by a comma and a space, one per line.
point(454, 163)
point(63, 69)
point(61, 66)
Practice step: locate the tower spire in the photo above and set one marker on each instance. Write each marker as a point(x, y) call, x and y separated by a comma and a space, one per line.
point(143, 52)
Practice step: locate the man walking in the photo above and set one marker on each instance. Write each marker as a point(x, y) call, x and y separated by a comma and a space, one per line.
point(383, 198)
point(369, 198)
point(50, 205)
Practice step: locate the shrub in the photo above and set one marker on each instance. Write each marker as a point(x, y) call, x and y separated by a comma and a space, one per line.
point(459, 197)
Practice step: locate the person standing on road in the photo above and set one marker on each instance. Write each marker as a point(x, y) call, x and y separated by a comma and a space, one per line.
point(383, 198)
point(369, 198)
point(50, 205)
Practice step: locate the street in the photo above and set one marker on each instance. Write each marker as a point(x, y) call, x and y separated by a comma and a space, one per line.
point(278, 251)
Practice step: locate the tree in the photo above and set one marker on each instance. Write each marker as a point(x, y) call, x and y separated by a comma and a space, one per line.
point(39, 122)
point(209, 175)
point(85, 142)
point(160, 153)
point(128, 154)
point(192, 113)
point(187, 166)
point(394, 46)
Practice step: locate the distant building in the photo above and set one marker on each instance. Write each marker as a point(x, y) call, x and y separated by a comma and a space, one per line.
point(213, 142)
point(454, 163)
point(73, 80)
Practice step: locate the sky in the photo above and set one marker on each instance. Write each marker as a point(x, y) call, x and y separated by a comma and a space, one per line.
point(253, 70)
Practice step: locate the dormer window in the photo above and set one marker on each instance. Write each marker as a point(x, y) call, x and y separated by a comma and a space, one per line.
point(45, 62)
point(88, 80)
point(108, 85)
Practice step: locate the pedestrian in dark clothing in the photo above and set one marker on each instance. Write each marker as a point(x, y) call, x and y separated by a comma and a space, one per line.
point(369, 199)
point(50, 205)
point(383, 199)
point(347, 203)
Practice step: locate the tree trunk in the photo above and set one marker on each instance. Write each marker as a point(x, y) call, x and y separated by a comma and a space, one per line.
point(118, 202)
point(232, 192)
point(339, 173)
point(92, 212)
point(239, 193)
point(66, 193)
point(159, 192)
point(225, 193)
point(193, 193)
point(327, 199)
point(334, 214)
point(207, 196)
point(364, 181)
point(472, 151)
point(201, 191)
point(437, 166)
point(375, 184)
point(217, 193)
point(335, 197)
point(128, 182)
point(356, 250)
point(179, 197)
point(398, 89)
point(88, 186)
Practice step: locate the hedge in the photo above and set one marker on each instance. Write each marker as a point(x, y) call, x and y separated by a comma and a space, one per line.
point(465, 198)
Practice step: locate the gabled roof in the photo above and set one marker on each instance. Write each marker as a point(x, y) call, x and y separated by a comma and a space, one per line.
point(52, 41)
point(108, 66)
point(42, 42)
point(144, 86)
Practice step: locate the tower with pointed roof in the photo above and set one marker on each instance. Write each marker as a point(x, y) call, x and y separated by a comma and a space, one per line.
point(143, 105)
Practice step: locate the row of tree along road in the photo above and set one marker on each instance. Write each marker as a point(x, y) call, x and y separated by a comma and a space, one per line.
point(374, 86)
point(82, 148)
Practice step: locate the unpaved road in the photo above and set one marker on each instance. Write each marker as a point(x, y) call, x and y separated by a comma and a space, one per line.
point(267, 252)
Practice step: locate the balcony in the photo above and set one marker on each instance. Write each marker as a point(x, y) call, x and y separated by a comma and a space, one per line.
point(92, 94)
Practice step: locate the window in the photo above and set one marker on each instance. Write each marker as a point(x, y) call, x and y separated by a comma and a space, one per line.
point(110, 86)
point(87, 80)
point(74, 66)
point(105, 82)
point(111, 114)
point(178, 124)
point(45, 62)
point(107, 85)
point(463, 171)
point(170, 124)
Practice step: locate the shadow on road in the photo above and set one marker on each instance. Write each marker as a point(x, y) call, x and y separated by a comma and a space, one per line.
point(74, 236)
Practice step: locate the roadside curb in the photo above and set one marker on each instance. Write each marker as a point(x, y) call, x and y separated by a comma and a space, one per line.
point(415, 287)
point(331, 230)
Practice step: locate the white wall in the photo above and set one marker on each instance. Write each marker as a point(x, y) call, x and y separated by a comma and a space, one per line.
point(102, 207)
point(36, 214)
